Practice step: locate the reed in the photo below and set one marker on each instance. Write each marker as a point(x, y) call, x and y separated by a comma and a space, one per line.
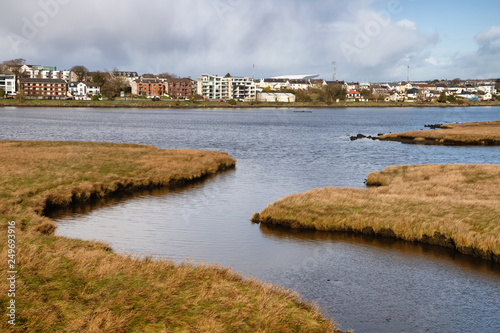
point(457, 206)
point(474, 133)
point(67, 285)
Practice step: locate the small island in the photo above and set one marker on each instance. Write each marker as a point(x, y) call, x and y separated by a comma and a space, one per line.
point(465, 134)
point(72, 285)
point(456, 206)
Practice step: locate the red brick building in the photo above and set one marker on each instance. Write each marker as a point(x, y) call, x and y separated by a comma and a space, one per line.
point(180, 88)
point(148, 87)
point(43, 88)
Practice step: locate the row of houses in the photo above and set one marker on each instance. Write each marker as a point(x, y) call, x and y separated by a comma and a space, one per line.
point(409, 91)
point(46, 82)
point(56, 89)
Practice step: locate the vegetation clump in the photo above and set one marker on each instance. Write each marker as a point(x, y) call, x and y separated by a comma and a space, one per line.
point(66, 285)
point(475, 133)
point(456, 206)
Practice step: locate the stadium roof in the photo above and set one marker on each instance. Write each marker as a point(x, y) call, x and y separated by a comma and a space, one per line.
point(296, 77)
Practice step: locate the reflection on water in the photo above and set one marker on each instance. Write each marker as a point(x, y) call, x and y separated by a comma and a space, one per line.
point(437, 253)
point(365, 283)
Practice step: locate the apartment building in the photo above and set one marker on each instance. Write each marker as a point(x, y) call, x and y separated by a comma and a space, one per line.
point(214, 87)
point(148, 87)
point(42, 88)
point(243, 88)
point(8, 82)
point(179, 88)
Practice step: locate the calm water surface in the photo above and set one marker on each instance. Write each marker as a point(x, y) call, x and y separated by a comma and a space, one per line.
point(365, 284)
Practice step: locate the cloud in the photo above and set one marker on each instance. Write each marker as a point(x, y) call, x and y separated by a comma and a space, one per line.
point(488, 36)
point(368, 39)
point(405, 23)
point(432, 61)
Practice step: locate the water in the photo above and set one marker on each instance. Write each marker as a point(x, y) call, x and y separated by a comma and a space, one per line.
point(369, 285)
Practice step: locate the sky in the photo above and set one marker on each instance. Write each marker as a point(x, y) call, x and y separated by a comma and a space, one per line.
point(369, 40)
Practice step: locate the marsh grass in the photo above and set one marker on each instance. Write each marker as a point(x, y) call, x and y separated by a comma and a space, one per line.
point(451, 205)
point(475, 133)
point(66, 285)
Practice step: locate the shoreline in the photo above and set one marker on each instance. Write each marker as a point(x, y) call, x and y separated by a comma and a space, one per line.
point(486, 133)
point(437, 239)
point(148, 104)
point(411, 203)
point(83, 285)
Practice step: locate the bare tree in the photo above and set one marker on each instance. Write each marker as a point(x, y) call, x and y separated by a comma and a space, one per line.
point(13, 65)
point(80, 72)
point(168, 76)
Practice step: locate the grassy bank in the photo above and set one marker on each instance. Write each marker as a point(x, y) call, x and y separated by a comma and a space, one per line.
point(457, 206)
point(170, 104)
point(66, 285)
point(475, 133)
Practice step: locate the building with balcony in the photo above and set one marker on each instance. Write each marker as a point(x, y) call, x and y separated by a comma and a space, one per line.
point(243, 88)
point(8, 83)
point(214, 87)
point(148, 87)
point(43, 88)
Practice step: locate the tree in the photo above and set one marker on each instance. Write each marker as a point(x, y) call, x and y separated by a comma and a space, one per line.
point(366, 93)
point(168, 76)
point(99, 78)
point(14, 65)
point(497, 84)
point(112, 88)
point(108, 90)
point(20, 96)
point(2, 93)
point(196, 97)
point(456, 81)
point(228, 75)
point(334, 91)
point(80, 72)
point(442, 98)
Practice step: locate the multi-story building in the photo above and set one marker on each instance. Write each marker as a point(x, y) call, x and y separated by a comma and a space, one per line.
point(47, 72)
point(148, 87)
point(42, 88)
point(8, 82)
point(213, 87)
point(179, 88)
point(243, 88)
point(77, 89)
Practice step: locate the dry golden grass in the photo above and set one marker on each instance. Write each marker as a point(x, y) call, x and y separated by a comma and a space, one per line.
point(475, 133)
point(450, 205)
point(66, 285)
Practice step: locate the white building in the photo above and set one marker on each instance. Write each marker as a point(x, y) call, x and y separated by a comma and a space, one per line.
point(8, 83)
point(243, 88)
point(487, 89)
point(274, 84)
point(214, 88)
point(276, 97)
point(93, 89)
point(77, 90)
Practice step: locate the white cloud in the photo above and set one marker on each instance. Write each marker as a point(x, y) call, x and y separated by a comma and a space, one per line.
point(488, 36)
point(432, 61)
point(192, 37)
point(405, 23)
